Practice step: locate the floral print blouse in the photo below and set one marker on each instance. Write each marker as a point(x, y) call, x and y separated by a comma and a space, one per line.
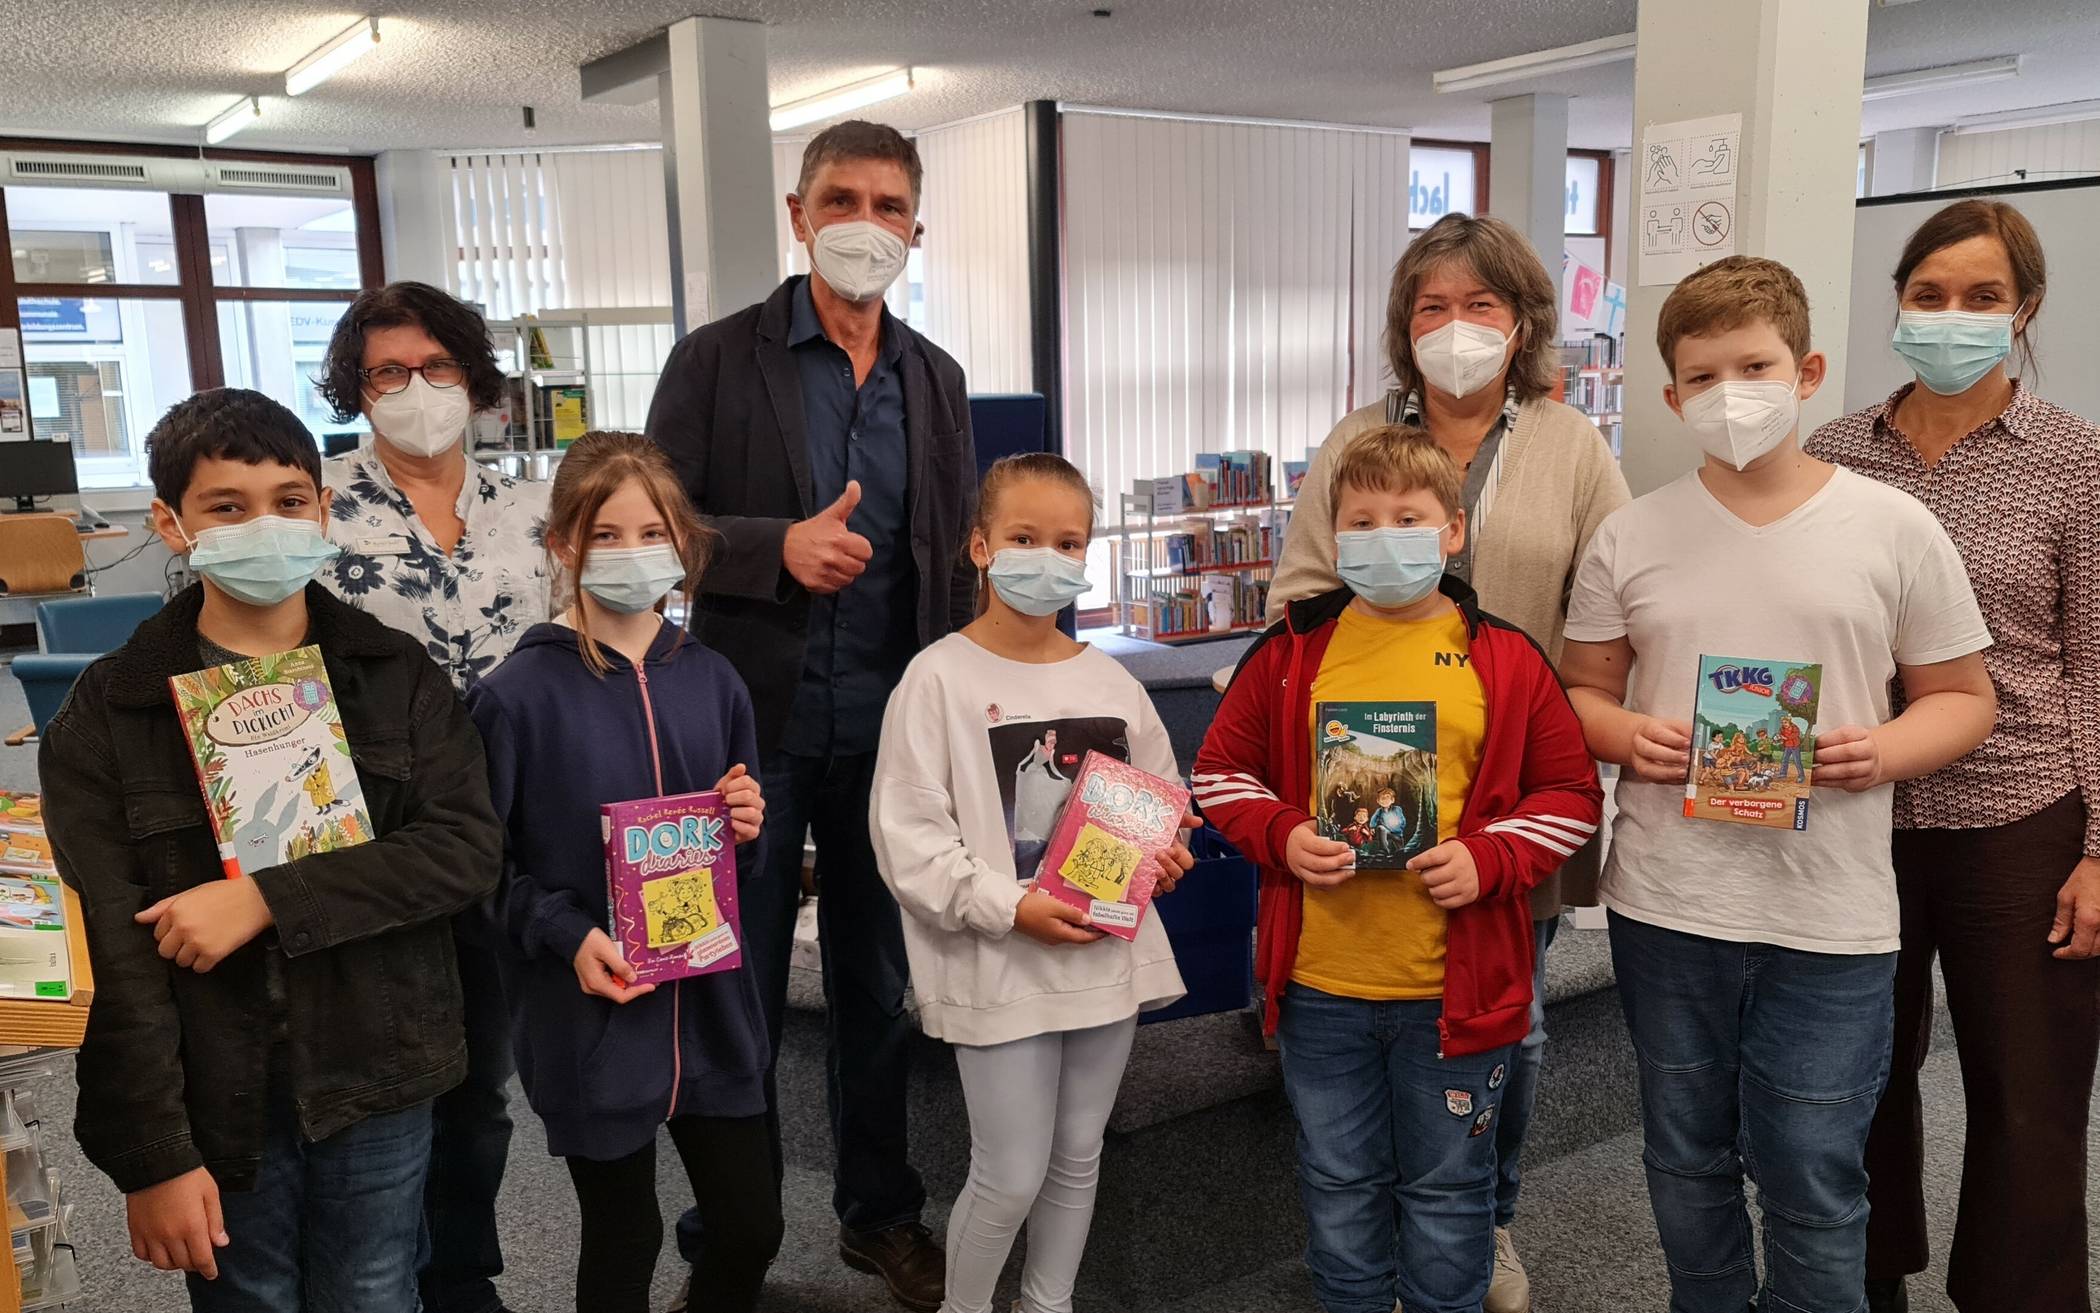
point(466, 608)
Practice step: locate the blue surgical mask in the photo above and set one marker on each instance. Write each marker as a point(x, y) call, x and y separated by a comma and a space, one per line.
point(260, 561)
point(1949, 350)
point(631, 579)
point(1037, 580)
point(1391, 567)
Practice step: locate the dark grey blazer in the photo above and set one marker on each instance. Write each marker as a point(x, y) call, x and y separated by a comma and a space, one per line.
point(728, 412)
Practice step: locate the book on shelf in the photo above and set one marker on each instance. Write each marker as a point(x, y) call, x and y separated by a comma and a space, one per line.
point(1754, 742)
point(46, 982)
point(670, 873)
point(1375, 779)
point(272, 758)
point(1294, 476)
point(1164, 496)
point(24, 850)
point(1105, 845)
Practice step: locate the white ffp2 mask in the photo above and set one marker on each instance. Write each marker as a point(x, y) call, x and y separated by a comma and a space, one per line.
point(1741, 419)
point(859, 260)
point(1461, 357)
point(420, 419)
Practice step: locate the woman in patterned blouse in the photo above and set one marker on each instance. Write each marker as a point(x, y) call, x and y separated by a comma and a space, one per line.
point(1997, 856)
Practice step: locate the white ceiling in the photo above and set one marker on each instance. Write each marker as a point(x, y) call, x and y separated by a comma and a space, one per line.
point(456, 72)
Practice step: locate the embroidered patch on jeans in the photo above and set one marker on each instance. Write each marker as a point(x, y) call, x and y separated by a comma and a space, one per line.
point(1481, 1123)
point(1495, 1077)
point(1459, 1102)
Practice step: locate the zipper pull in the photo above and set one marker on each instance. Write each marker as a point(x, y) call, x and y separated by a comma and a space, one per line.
point(641, 676)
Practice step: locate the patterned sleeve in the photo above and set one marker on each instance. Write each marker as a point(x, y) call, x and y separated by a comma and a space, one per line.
point(2079, 587)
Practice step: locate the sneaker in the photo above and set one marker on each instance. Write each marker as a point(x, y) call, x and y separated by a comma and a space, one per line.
point(907, 1259)
point(1887, 1297)
point(1510, 1291)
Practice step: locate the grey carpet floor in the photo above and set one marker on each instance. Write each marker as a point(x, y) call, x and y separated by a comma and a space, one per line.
point(1585, 1229)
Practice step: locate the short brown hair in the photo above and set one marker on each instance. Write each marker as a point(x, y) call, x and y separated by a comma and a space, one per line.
point(858, 139)
point(595, 467)
point(1982, 218)
point(1504, 261)
point(1726, 295)
point(1398, 458)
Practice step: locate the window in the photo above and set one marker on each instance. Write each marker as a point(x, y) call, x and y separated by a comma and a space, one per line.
point(1441, 181)
point(1585, 201)
point(128, 300)
point(282, 241)
point(101, 372)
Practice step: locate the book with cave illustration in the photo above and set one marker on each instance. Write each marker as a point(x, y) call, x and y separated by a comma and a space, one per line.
point(1754, 742)
point(1103, 852)
point(1374, 779)
point(272, 758)
point(670, 874)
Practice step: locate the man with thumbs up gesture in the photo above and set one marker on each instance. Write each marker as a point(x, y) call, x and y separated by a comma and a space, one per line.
point(829, 445)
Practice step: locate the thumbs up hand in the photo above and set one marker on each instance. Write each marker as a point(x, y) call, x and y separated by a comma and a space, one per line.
point(821, 552)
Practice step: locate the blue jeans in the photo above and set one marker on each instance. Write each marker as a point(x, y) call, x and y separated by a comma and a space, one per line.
point(331, 1226)
point(1767, 1061)
point(1522, 1096)
point(1395, 1161)
point(461, 1253)
point(870, 1035)
point(1790, 760)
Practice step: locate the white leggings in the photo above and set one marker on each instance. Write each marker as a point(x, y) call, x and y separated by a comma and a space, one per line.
point(1038, 1111)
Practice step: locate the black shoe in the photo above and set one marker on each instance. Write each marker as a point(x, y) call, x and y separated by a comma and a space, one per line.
point(907, 1259)
point(1887, 1297)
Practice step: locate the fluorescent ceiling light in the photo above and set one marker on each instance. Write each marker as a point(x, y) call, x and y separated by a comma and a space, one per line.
point(1539, 63)
point(233, 120)
point(852, 96)
point(1943, 78)
point(2040, 116)
point(342, 51)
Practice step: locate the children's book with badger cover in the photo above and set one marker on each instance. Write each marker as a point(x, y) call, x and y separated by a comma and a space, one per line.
point(1374, 779)
point(1754, 742)
point(670, 873)
point(1113, 826)
point(273, 759)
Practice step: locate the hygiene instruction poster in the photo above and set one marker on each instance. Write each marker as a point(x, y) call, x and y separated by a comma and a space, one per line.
point(1687, 211)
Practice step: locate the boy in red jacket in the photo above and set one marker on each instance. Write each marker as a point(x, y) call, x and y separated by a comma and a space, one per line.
point(1398, 996)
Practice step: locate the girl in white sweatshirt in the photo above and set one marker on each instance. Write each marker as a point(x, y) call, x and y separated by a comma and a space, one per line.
point(1040, 1007)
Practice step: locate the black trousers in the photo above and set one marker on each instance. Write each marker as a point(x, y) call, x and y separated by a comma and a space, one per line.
point(729, 1161)
point(2027, 1031)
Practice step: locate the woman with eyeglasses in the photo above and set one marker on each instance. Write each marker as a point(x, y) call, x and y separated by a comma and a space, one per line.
point(450, 552)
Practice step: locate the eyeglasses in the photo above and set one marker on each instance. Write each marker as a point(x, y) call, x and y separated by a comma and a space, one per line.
point(389, 379)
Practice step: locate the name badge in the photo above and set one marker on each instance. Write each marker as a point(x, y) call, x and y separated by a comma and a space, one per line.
point(386, 544)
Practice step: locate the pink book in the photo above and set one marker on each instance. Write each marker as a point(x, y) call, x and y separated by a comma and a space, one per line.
point(1115, 821)
point(670, 871)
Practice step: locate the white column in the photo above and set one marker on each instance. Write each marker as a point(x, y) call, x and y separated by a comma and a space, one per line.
point(718, 168)
point(1903, 161)
point(1792, 69)
point(1528, 173)
point(260, 252)
point(411, 217)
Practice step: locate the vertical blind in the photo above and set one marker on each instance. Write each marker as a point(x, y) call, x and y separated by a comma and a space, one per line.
point(975, 209)
point(504, 219)
point(2054, 150)
point(1224, 286)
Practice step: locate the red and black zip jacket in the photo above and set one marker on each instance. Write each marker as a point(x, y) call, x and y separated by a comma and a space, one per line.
point(1534, 802)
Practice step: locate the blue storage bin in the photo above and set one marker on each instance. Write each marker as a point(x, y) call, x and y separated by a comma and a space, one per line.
point(1209, 919)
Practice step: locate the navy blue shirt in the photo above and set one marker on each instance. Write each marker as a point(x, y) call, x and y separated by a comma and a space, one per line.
point(861, 638)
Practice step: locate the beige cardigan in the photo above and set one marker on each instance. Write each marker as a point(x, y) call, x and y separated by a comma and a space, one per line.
point(1559, 481)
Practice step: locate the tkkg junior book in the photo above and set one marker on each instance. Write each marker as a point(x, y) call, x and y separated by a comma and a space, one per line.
point(267, 739)
point(1116, 820)
point(1374, 779)
point(1754, 742)
point(670, 873)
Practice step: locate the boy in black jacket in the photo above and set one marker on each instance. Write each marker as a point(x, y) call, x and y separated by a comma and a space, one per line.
point(279, 1036)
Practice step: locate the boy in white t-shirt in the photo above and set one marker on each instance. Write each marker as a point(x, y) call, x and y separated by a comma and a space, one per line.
point(1755, 965)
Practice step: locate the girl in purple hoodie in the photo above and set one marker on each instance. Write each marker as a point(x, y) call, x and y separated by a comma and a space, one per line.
point(609, 703)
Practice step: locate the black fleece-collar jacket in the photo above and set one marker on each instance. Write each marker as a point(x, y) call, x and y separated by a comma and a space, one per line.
point(356, 984)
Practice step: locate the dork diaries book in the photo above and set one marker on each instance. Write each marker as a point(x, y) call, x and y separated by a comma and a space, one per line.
point(670, 873)
point(1374, 779)
point(1104, 849)
point(272, 758)
point(1754, 742)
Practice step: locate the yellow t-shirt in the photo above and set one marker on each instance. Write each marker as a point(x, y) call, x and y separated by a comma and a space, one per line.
point(1379, 935)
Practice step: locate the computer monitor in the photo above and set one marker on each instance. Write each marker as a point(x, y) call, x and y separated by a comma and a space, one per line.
point(39, 468)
